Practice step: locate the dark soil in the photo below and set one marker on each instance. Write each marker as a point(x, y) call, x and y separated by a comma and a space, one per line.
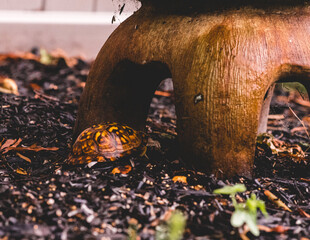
point(40, 198)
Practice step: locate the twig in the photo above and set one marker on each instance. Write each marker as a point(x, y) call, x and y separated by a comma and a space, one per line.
point(302, 123)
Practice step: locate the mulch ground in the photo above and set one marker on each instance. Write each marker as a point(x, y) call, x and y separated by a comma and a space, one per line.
point(40, 198)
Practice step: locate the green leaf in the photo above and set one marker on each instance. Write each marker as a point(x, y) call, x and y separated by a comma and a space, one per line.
point(176, 224)
point(173, 229)
point(161, 232)
point(263, 137)
point(251, 223)
point(245, 213)
point(238, 218)
point(230, 189)
point(45, 57)
point(262, 207)
point(251, 203)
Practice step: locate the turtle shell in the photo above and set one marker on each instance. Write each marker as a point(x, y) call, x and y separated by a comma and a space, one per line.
point(107, 142)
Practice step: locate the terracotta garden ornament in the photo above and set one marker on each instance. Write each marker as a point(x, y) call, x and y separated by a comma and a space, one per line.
point(222, 56)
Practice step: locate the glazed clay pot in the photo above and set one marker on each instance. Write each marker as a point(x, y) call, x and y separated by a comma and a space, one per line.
point(222, 57)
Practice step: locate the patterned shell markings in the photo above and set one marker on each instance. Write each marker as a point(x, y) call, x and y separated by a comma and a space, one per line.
point(107, 142)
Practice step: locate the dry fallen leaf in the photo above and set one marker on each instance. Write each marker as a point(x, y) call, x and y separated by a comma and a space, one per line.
point(11, 144)
point(24, 157)
point(8, 144)
point(276, 200)
point(198, 187)
point(34, 86)
point(21, 171)
point(122, 169)
point(34, 148)
point(303, 213)
point(279, 147)
point(8, 85)
point(181, 179)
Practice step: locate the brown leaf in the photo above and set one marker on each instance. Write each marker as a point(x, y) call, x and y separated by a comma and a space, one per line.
point(198, 187)
point(21, 171)
point(24, 157)
point(8, 85)
point(35, 86)
point(122, 169)
point(280, 229)
point(9, 144)
point(303, 213)
point(181, 179)
point(276, 200)
point(34, 148)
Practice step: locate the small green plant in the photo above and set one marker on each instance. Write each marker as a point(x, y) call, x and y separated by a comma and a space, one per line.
point(45, 57)
point(173, 229)
point(133, 229)
point(293, 86)
point(245, 213)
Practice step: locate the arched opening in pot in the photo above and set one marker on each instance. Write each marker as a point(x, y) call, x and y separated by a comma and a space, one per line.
point(283, 147)
point(129, 90)
point(124, 96)
point(289, 110)
point(286, 101)
point(162, 109)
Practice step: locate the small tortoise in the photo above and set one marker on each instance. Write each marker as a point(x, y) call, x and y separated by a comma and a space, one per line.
point(107, 142)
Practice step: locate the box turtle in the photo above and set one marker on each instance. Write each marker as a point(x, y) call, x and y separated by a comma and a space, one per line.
point(107, 142)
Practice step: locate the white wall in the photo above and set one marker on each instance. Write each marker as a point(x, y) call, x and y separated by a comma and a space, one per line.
point(79, 27)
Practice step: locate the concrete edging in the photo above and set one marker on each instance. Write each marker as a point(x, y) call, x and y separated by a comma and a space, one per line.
point(76, 32)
